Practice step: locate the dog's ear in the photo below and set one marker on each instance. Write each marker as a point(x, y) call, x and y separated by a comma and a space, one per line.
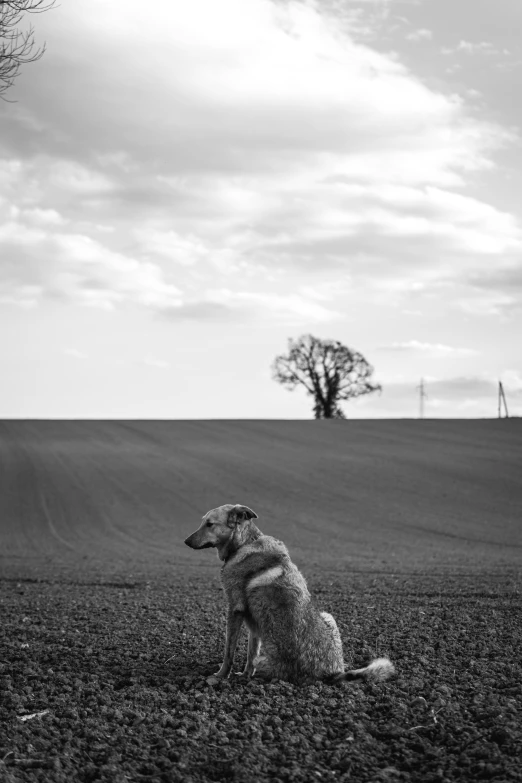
point(240, 514)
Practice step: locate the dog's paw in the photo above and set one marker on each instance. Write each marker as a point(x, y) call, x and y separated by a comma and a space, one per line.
point(218, 677)
point(245, 675)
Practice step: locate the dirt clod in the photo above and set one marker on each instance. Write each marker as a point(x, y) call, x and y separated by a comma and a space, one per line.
point(106, 713)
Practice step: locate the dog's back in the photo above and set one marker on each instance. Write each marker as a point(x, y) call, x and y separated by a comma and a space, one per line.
point(298, 642)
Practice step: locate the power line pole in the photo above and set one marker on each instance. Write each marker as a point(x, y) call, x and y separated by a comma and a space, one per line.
point(502, 399)
point(422, 397)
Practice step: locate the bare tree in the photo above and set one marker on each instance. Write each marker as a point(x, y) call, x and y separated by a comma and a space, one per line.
point(329, 371)
point(17, 47)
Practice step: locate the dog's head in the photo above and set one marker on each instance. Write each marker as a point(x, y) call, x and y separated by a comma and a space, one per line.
point(220, 526)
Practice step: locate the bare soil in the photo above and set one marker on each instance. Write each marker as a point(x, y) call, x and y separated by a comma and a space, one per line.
point(408, 532)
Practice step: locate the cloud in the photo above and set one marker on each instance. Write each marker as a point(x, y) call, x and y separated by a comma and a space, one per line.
point(470, 388)
point(160, 364)
point(46, 262)
point(421, 34)
point(428, 349)
point(493, 290)
point(74, 352)
point(389, 236)
point(491, 303)
point(471, 48)
point(169, 245)
point(267, 144)
point(227, 304)
point(77, 268)
point(211, 100)
point(294, 306)
point(202, 310)
point(506, 278)
point(226, 96)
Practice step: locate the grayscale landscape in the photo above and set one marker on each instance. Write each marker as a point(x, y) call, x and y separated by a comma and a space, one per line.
point(265, 253)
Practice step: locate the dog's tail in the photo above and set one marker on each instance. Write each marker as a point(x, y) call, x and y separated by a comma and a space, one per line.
point(376, 671)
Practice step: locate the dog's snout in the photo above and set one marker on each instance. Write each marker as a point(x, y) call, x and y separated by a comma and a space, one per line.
point(189, 541)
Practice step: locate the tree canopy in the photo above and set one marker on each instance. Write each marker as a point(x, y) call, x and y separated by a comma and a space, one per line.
point(329, 371)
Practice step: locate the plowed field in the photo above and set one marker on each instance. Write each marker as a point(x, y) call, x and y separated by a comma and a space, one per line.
point(409, 532)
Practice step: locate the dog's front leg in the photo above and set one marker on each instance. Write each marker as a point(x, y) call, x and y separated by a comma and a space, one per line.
point(234, 624)
point(254, 645)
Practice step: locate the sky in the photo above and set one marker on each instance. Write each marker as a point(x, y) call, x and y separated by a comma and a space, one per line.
point(185, 186)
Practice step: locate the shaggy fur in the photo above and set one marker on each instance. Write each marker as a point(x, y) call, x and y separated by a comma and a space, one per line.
point(289, 639)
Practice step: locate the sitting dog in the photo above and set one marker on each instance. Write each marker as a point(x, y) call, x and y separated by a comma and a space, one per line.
point(289, 639)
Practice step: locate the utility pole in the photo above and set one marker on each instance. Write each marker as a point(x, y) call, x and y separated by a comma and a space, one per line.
point(422, 397)
point(502, 399)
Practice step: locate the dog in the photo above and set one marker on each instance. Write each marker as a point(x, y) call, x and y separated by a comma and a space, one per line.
point(289, 638)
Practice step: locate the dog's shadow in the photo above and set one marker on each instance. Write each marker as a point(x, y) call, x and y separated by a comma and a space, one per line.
point(177, 670)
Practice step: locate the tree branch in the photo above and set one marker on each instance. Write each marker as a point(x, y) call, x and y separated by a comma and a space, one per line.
point(18, 48)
